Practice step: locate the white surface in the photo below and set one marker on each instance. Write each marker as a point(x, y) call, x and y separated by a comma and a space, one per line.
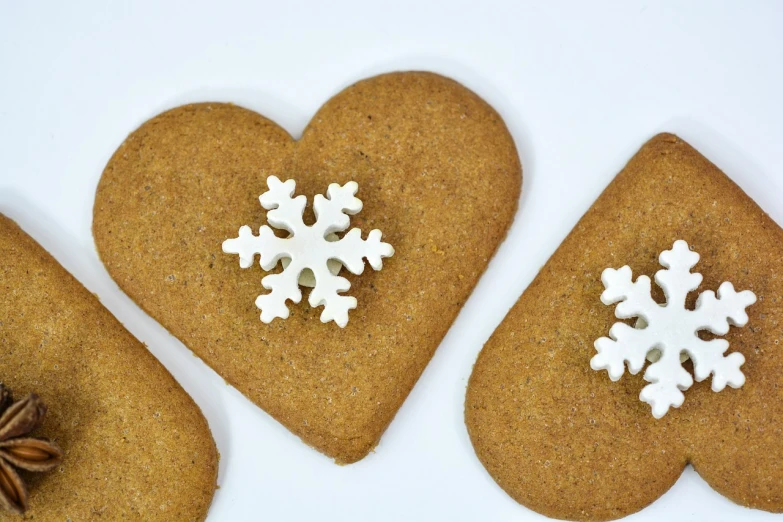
point(581, 86)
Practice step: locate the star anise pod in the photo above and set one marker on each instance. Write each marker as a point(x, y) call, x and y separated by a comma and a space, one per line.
point(18, 450)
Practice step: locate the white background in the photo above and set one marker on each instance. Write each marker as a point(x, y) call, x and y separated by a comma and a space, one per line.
point(581, 85)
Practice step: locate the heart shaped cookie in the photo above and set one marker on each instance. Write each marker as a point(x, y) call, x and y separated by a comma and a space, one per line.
point(135, 446)
point(437, 172)
point(565, 440)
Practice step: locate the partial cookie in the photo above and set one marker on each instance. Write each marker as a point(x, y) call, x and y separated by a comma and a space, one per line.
point(566, 441)
point(135, 444)
point(438, 173)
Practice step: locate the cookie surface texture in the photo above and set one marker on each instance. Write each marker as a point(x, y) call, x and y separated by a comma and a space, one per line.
point(564, 440)
point(136, 446)
point(438, 173)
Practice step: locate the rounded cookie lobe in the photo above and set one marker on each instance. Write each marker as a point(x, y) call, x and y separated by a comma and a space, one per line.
point(135, 444)
point(563, 439)
point(438, 173)
point(736, 445)
point(558, 437)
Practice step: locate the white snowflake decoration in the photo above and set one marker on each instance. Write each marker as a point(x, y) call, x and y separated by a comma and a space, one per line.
point(311, 255)
point(664, 333)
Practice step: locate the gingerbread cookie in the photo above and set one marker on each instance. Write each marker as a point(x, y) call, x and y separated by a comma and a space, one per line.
point(562, 437)
point(437, 173)
point(126, 440)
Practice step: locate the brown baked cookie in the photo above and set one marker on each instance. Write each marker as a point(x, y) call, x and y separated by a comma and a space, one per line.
point(438, 174)
point(135, 445)
point(566, 441)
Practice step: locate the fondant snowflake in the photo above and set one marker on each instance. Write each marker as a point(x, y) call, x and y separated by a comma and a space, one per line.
point(311, 255)
point(665, 332)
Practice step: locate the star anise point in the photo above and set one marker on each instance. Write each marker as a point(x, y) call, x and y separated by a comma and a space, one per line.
point(19, 450)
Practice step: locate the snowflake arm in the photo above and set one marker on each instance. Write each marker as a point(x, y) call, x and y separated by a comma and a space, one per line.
point(624, 344)
point(351, 250)
point(327, 293)
point(668, 379)
point(676, 280)
point(728, 309)
point(331, 213)
point(708, 359)
point(285, 212)
point(283, 286)
point(269, 247)
point(634, 298)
